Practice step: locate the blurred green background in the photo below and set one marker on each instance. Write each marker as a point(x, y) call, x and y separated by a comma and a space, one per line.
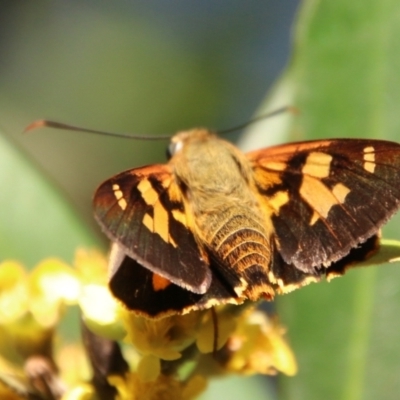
point(158, 67)
point(131, 66)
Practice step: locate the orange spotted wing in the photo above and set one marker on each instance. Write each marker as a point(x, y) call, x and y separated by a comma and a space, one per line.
point(324, 202)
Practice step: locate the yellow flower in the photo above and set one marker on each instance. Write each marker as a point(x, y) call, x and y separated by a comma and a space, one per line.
point(31, 306)
point(258, 347)
point(164, 387)
point(101, 312)
point(52, 285)
point(162, 359)
point(226, 323)
point(164, 338)
point(14, 296)
point(84, 391)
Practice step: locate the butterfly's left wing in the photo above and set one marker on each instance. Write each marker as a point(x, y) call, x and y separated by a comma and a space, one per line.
point(153, 296)
point(143, 211)
point(326, 197)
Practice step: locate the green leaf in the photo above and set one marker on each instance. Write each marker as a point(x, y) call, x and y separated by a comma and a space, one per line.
point(36, 221)
point(345, 83)
point(389, 252)
point(345, 68)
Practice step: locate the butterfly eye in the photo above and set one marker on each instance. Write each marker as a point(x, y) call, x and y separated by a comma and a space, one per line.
point(173, 148)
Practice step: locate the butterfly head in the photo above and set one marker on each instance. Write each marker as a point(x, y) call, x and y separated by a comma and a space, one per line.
point(182, 139)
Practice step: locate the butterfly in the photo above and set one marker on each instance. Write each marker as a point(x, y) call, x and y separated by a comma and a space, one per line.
point(216, 226)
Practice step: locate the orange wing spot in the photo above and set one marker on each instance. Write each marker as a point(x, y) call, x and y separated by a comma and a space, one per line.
point(275, 165)
point(370, 167)
point(159, 282)
point(161, 225)
point(172, 241)
point(119, 196)
point(318, 196)
point(321, 198)
point(180, 216)
point(150, 196)
point(148, 222)
point(318, 165)
point(160, 222)
point(174, 193)
point(314, 218)
point(122, 203)
point(369, 159)
point(340, 191)
point(266, 179)
point(278, 200)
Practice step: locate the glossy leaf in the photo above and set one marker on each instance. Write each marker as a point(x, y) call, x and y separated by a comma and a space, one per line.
point(36, 221)
point(345, 84)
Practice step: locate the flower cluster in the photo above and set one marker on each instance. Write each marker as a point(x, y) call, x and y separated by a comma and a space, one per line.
point(122, 356)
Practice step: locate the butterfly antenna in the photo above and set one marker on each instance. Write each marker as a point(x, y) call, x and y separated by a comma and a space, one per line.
point(45, 123)
point(270, 114)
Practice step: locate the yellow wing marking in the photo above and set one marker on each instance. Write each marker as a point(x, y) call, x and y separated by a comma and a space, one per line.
point(321, 198)
point(119, 196)
point(278, 200)
point(369, 159)
point(275, 165)
point(317, 165)
point(160, 222)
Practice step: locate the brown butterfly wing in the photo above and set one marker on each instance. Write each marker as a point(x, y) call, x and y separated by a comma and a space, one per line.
point(137, 288)
point(288, 278)
point(326, 197)
point(143, 211)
